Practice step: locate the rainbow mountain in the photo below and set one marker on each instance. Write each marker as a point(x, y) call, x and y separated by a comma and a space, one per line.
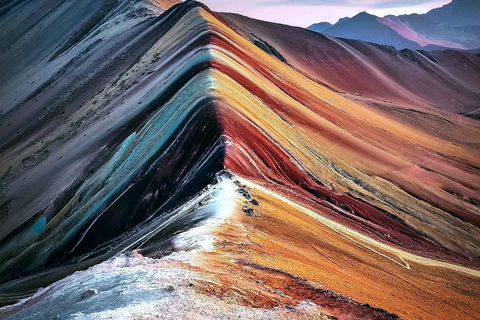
point(159, 159)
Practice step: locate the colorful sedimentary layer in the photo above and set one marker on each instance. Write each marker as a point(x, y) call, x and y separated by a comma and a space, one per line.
point(262, 178)
point(418, 80)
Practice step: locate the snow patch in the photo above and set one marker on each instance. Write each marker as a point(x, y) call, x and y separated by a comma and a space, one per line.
point(220, 201)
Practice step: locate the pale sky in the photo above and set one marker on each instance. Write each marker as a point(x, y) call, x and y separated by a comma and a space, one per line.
point(306, 12)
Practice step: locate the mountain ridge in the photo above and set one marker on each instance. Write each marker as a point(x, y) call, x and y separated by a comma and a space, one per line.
point(412, 31)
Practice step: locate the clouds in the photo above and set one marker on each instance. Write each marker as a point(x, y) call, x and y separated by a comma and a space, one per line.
point(305, 12)
point(373, 4)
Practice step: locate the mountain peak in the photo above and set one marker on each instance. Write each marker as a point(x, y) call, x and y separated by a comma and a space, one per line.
point(319, 27)
point(363, 13)
point(164, 4)
point(342, 20)
point(363, 16)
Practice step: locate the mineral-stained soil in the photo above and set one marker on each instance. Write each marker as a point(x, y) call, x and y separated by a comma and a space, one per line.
point(258, 170)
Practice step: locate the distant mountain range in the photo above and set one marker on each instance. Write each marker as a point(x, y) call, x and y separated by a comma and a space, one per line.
point(455, 25)
point(457, 13)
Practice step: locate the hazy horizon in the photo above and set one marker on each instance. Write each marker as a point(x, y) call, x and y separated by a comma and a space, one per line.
point(303, 13)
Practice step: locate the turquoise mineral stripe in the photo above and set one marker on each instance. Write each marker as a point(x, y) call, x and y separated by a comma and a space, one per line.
point(39, 225)
point(139, 148)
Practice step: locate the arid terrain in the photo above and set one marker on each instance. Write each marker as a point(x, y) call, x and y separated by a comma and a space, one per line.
point(161, 160)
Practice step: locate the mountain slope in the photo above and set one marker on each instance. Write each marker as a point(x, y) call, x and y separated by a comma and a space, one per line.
point(457, 13)
point(428, 34)
point(293, 196)
point(414, 80)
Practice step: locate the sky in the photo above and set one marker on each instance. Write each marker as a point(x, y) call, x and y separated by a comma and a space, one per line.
point(303, 13)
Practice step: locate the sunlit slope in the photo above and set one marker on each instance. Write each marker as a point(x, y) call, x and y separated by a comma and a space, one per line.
point(286, 253)
point(349, 199)
point(409, 194)
point(436, 81)
point(357, 164)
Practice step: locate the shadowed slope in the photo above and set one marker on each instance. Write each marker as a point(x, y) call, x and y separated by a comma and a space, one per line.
point(139, 149)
